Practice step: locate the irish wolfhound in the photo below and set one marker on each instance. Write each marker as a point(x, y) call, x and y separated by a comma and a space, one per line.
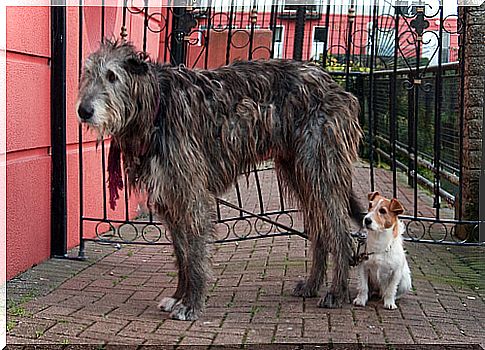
point(185, 136)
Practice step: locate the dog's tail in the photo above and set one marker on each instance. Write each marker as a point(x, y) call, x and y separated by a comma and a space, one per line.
point(356, 210)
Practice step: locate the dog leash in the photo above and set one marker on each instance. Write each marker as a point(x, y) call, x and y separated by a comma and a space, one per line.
point(358, 257)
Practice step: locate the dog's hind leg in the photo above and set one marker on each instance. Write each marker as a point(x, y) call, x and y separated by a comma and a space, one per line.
point(339, 238)
point(305, 288)
point(324, 173)
point(405, 285)
point(310, 286)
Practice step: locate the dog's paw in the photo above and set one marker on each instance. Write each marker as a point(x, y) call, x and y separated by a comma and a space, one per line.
point(330, 301)
point(390, 305)
point(167, 304)
point(184, 313)
point(302, 290)
point(359, 301)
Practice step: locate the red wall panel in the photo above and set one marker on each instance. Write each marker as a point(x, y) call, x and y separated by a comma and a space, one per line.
point(28, 29)
point(28, 102)
point(28, 210)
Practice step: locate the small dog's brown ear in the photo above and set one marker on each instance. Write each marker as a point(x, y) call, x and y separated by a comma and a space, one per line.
point(372, 195)
point(396, 207)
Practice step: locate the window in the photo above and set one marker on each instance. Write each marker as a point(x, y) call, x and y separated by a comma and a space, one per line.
point(320, 34)
point(278, 34)
point(319, 40)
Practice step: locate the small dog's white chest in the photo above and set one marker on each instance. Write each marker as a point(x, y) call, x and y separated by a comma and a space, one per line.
point(379, 267)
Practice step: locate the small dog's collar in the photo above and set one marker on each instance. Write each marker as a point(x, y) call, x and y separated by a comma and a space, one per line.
point(357, 256)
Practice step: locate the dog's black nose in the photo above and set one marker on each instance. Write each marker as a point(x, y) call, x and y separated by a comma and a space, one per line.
point(85, 112)
point(368, 221)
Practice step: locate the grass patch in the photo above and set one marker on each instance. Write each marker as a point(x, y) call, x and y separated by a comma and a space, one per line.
point(38, 334)
point(11, 325)
point(27, 297)
point(172, 274)
point(119, 280)
point(17, 310)
point(254, 310)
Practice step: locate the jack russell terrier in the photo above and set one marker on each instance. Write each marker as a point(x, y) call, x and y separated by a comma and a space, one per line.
point(386, 270)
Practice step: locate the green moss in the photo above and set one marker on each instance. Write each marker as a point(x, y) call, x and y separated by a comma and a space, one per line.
point(17, 310)
point(11, 325)
point(38, 334)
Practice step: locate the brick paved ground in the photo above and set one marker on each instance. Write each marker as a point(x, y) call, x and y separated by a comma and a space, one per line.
point(112, 298)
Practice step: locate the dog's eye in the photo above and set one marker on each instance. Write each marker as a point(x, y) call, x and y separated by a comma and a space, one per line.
point(111, 76)
point(383, 211)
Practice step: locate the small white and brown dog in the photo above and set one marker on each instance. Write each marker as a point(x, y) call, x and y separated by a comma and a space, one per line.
point(386, 270)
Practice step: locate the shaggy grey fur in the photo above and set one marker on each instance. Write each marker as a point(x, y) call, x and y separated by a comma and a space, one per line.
point(185, 136)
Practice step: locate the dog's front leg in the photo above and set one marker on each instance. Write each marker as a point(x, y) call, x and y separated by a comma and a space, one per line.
point(190, 228)
point(179, 244)
point(193, 280)
point(179, 241)
point(363, 288)
point(389, 292)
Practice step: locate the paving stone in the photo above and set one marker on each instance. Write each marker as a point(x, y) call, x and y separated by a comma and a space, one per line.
point(112, 298)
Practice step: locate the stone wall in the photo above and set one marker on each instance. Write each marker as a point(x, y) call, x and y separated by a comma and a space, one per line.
point(474, 91)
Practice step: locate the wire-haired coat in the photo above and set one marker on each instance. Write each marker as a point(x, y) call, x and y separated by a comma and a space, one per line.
point(185, 136)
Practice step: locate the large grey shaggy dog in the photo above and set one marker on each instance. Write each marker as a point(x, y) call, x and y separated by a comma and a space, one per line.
point(185, 136)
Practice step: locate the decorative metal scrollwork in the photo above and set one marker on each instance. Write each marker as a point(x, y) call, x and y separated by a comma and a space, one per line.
point(419, 23)
point(186, 22)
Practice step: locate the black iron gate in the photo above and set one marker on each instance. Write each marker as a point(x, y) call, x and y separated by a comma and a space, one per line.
point(409, 92)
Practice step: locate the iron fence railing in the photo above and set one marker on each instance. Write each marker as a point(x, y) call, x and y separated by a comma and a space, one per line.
point(448, 142)
point(395, 59)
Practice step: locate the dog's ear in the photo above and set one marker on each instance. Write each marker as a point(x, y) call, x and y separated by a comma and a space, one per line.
point(372, 195)
point(396, 207)
point(136, 65)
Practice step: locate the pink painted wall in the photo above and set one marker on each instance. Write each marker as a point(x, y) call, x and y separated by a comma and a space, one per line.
point(28, 137)
point(28, 129)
